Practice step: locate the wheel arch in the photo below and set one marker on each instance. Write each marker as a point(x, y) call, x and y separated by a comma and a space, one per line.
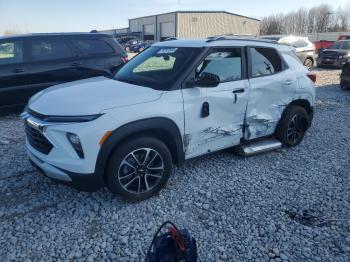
point(162, 128)
point(304, 103)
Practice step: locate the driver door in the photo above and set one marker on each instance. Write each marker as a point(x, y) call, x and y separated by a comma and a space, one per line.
point(214, 116)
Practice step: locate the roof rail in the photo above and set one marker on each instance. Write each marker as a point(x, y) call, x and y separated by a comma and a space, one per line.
point(239, 38)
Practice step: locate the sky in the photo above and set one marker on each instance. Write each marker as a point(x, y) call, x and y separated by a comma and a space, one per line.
point(33, 16)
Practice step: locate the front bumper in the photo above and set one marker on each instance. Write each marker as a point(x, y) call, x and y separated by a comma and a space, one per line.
point(84, 182)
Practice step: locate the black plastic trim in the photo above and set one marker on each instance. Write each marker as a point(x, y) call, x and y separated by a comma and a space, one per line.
point(137, 127)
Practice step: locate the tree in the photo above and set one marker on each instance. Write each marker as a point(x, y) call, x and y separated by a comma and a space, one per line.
point(318, 19)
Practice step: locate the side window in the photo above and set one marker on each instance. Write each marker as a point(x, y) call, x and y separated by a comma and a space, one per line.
point(265, 61)
point(11, 52)
point(49, 49)
point(93, 46)
point(299, 43)
point(226, 64)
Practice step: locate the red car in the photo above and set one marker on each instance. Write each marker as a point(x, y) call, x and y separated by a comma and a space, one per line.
point(322, 44)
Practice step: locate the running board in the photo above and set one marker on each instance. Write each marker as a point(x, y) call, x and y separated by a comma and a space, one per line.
point(258, 147)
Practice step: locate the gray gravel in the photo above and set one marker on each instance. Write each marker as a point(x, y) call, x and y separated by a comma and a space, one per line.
point(287, 205)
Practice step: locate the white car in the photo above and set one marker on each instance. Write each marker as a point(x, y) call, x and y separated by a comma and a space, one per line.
point(174, 101)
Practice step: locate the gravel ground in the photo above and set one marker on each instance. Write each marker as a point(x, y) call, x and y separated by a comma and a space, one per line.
point(287, 205)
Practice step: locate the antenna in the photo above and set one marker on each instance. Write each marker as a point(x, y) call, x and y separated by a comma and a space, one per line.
point(178, 5)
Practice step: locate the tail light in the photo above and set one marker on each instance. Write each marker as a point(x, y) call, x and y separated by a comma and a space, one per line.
point(312, 77)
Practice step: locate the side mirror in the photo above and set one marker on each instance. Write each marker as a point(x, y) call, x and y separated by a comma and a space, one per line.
point(205, 80)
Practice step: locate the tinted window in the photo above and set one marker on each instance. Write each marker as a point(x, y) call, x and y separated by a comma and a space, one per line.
point(49, 49)
point(265, 61)
point(11, 52)
point(226, 64)
point(341, 45)
point(93, 46)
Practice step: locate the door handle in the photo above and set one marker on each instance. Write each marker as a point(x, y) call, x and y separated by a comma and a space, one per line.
point(240, 90)
point(76, 64)
point(18, 70)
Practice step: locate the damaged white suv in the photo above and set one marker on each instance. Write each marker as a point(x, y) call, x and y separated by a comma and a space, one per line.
point(174, 101)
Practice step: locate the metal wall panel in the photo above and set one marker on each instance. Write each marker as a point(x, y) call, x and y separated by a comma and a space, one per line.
point(136, 24)
point(202, 24)
point(167, 29)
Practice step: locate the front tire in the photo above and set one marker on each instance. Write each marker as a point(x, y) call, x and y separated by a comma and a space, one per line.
point(139, 168)
point(292, 126)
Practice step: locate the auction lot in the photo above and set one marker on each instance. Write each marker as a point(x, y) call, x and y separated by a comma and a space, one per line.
point(287, 205)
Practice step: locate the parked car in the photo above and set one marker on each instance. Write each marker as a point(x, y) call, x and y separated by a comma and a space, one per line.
point(123, 41)
point(175, 101)
point(303, 47)
point(322, 44)
point(344, 36)
point(30, 63)
point(336, 56)
point(138, 46)
point(345, 76)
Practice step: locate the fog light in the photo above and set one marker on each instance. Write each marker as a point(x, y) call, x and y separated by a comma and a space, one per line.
point(75, 142)
point(73, 138)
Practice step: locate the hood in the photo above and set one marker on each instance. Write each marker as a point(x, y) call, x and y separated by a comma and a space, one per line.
point(90, 96)
point(338, 51)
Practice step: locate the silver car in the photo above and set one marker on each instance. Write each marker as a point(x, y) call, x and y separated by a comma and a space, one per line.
point(304, 48)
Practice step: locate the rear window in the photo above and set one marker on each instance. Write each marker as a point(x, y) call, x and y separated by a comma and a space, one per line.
point(11, 52)
point(93, 46)
point(50, 49)
point(265, 61)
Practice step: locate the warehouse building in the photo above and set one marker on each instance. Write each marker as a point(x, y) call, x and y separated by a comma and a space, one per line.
point(192, 24)
point(189, 24)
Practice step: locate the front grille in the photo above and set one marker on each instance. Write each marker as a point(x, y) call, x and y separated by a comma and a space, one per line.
point(330, 54)
point(37, 140)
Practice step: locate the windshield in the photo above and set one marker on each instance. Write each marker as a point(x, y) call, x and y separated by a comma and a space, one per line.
point(157, 67)
point(341, 45)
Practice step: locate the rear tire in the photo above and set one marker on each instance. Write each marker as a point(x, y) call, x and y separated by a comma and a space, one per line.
point(139, 168)
point(292, 126)
point(344, 85)
point(309, 63)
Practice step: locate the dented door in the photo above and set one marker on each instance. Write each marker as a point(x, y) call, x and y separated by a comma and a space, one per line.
point(221, 126)
point(272, 88)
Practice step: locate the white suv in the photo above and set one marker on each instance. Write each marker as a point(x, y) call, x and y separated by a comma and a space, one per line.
point(174, 101)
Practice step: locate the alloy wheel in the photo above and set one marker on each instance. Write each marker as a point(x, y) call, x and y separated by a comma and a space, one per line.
point(141, 170)
point(295, 129)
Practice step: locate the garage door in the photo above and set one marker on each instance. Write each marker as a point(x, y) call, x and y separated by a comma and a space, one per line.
point(167, 29)
point(148, 32)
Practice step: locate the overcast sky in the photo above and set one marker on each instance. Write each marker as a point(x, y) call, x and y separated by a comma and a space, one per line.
point(85, 15)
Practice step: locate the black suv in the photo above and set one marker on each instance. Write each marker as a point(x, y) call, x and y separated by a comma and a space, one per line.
point(30, 63)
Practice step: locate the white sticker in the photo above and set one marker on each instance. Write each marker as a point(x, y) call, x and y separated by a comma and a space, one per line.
point(167, 51)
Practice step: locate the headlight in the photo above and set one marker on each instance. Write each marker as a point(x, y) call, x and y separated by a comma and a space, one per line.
point(344, 56)
point(75, 142)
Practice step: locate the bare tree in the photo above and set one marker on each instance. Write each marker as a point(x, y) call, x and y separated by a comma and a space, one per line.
point(318, 19)
point(12, 32)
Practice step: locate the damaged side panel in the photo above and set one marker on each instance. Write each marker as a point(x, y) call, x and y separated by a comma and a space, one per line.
point(269, 96)
point(223, 127)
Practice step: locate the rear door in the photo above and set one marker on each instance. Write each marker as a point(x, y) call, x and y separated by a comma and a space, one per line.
point(98, 55)
point(52, 62)
point(272, 88)
point(14, 73)
point(214, 116)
